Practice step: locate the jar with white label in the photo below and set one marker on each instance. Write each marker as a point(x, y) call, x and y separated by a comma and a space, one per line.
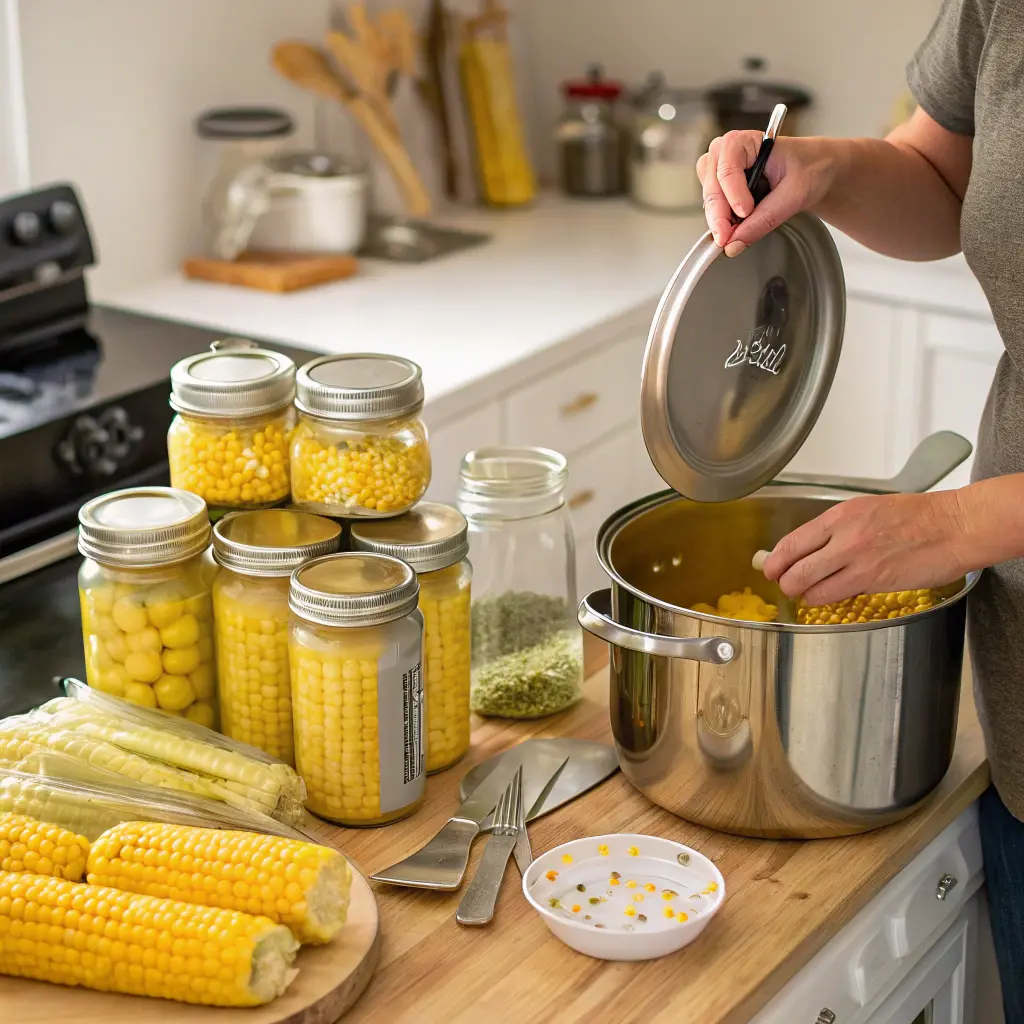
point(355, 649)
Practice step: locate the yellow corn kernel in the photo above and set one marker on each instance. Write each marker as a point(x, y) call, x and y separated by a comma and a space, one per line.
point(444, 602)
point(243, 464)
point(301, 885)
point(68, 933)
point(867, 608)
point(41, 848)
point(252, 666)
point(378, 474)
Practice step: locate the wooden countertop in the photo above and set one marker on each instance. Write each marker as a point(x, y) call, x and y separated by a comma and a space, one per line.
point(786, 899)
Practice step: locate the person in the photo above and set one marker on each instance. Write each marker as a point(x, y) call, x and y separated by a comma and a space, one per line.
point(948, 179)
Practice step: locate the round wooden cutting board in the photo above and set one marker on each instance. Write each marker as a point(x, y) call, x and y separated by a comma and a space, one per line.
point(331, 978)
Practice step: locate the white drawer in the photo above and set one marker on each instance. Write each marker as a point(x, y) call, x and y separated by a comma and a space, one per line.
point(599, 483)
point(572, 406)
point(450, 441)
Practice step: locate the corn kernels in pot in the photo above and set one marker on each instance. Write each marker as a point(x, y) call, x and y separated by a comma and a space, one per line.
point(868, 608)
point(232, 464)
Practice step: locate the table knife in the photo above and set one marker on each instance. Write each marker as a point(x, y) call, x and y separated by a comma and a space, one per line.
point(441, 864)
point(536, 788)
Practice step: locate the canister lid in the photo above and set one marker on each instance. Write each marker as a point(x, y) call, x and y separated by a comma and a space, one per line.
point(272, 542)
point(359, 386)
point(740, 359)
point(235, 378)
point(143, 527)
point(354, 589)
point(429, 537)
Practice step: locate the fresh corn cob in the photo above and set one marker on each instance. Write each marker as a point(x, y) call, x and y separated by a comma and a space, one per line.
point(301, 885)
point(41, 849)
point(23, 735)
point(73, 934)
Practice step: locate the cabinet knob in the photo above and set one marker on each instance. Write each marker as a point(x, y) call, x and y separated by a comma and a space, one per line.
point(947, 883)
point(579, 403)
point(825, 1016)
point(580, 498)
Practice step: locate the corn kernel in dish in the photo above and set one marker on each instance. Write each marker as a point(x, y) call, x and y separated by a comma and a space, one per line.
point(868, 608)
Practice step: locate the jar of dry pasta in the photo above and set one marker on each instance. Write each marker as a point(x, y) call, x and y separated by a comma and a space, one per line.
point(360, 446)
point(228, 441)
point(144, 587)
point(434, 540)
point(355, 649)
point(257, 553)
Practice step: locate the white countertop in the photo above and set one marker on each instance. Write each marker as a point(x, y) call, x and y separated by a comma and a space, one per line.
point(548, 276)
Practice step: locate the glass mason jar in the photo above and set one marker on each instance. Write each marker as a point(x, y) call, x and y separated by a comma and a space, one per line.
point(527, 647)
point(360, 447)
point(433, 539)
point(147, 617)
point(228, 441)
point(257, 552)
point(355, 647)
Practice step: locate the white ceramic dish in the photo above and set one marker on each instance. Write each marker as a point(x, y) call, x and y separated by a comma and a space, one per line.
point(624, 896)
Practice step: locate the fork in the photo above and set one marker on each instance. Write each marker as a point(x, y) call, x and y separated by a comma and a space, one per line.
point(477, 906)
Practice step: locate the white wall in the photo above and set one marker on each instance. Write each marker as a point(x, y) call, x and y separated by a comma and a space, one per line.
point(850, 55)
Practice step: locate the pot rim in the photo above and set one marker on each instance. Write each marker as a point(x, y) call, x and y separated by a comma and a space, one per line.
point(610, 528)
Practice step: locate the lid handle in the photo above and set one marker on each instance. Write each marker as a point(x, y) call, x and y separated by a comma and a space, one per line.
point(758, 187)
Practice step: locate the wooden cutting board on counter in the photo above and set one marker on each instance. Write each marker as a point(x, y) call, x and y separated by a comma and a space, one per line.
point(272, 271)
point(331, 978)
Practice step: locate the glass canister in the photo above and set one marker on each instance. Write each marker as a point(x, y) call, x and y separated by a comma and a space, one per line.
point(355, 648)
point(147, 616)
point(360, 447)
point(257, 553)
point(228, 441)
point(527, 648)
point(433, 539)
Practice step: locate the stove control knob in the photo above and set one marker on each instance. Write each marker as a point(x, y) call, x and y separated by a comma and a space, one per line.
point(63, 216)
point(99, 446)
point(25, 228)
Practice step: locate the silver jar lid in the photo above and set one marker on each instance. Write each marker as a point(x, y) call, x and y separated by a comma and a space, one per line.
point(359, 386)
point(272, 542)
point(143, 527)
point(741, 356)
point(354, 589)
point(235, 378)
point(429, 537)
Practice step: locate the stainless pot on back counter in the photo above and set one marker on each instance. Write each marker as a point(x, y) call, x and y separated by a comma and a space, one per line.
point(774, 729)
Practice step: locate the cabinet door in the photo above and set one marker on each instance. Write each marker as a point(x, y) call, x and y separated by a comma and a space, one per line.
point(450, 441)
point(853, 434)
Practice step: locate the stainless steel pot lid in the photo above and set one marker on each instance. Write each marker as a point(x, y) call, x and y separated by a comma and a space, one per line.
point(741, 355)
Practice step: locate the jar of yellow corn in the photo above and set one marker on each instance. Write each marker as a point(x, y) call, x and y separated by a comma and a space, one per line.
point(147, 617)
point(257, 553)
point(360, 447)
point(434, 540)
point(355, 649)
point(229, 441)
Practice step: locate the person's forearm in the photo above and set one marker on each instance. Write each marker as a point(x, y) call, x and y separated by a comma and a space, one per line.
point(887, 196)
point(990, 516)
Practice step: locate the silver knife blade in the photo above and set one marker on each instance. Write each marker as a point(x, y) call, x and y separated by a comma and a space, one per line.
point(536, 787)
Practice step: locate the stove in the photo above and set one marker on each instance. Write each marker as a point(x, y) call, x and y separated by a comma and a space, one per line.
point(83, 411)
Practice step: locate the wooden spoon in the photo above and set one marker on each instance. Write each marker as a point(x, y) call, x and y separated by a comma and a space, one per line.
point(308, 67)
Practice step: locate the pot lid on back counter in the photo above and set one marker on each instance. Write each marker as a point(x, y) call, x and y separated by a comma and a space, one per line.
point(741, 355)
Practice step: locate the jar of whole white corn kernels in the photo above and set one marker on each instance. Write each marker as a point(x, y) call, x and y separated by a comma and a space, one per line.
point(147, 616)
point(355, 650)
point(229, 441)
point(360, 447)
point(257, 553)
point(434, 540)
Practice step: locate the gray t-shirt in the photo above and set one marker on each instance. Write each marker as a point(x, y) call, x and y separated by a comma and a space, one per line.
point(968, 76)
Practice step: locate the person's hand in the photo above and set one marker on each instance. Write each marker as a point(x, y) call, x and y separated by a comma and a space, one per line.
point(800, 172)
point(872, 545)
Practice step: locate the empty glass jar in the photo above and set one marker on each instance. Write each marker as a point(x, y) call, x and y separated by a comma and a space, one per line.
point(360, 447)
point(433, 539)
point(257, 553)
point(355, 648)
point(527, 648)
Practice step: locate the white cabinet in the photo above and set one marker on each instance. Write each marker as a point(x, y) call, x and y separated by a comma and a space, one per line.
point(450, 441)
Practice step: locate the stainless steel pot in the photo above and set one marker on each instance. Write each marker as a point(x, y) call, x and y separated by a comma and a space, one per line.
point(768, 729)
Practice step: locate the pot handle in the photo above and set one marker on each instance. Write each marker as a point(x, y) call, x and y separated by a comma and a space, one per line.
point(931, 461)
point(595, 617)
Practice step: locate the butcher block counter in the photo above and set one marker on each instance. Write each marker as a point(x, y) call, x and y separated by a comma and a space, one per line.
point(785, 900)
